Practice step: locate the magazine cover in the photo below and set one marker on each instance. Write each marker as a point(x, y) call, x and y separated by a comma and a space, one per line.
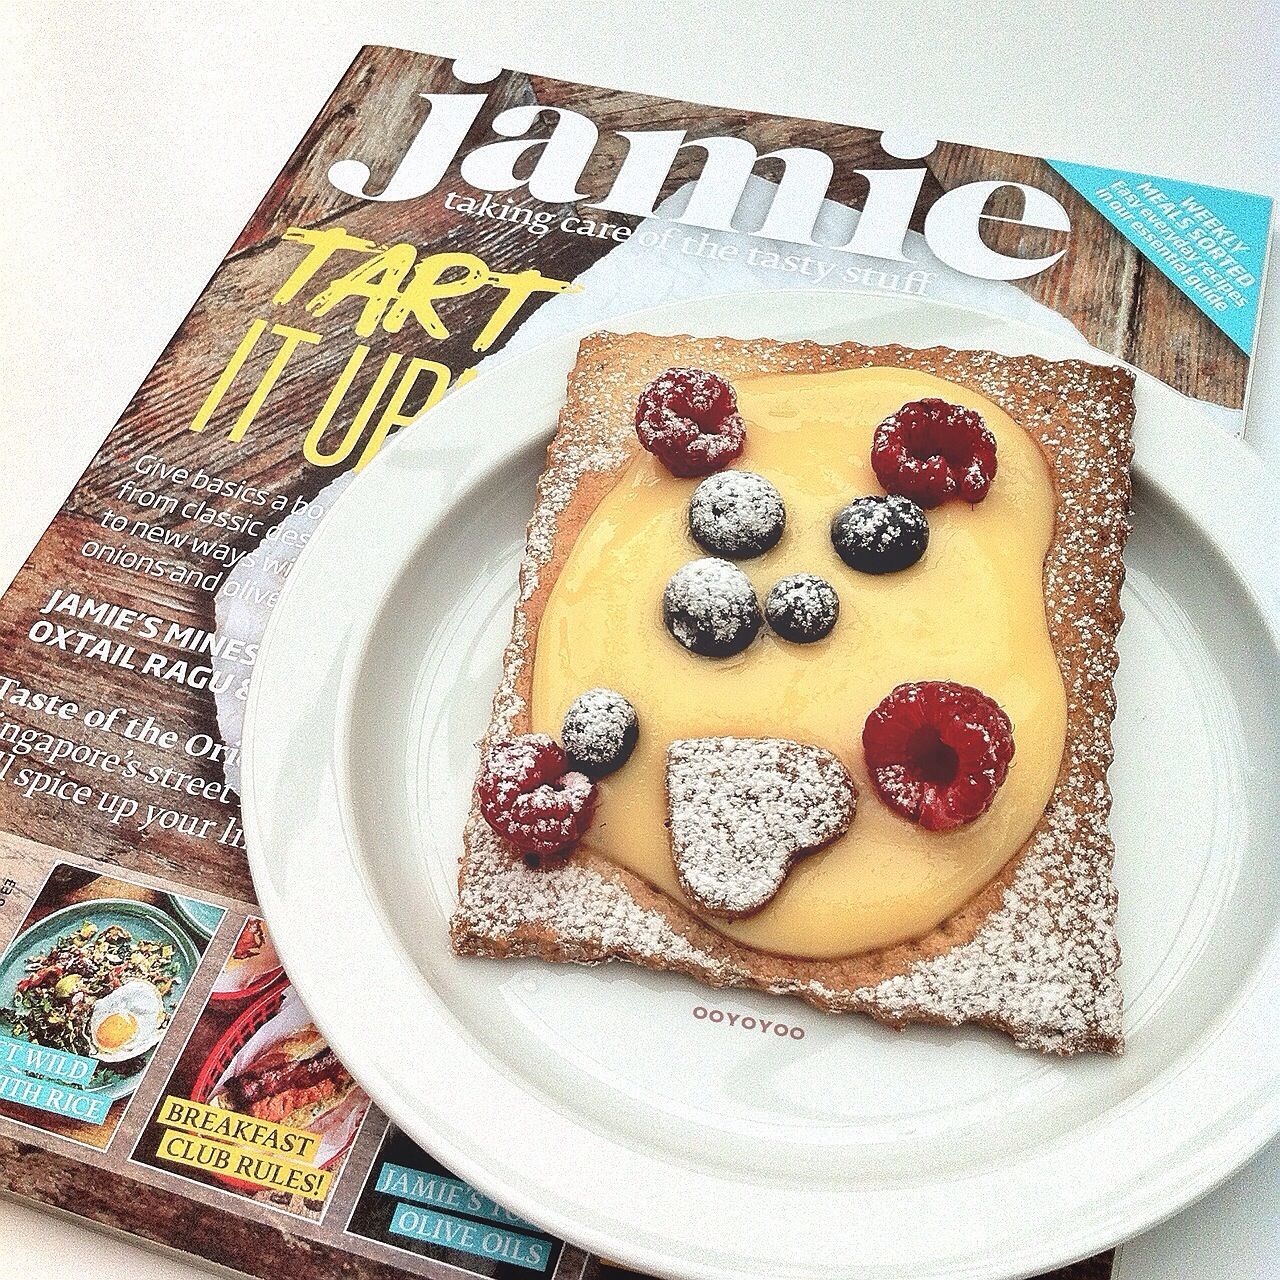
point(159, 1074)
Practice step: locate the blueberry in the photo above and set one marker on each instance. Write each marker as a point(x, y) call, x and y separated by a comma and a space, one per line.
point(802, 608)
point(710, 607)
point(736, 514)
point(599, 732)
point(880, 535)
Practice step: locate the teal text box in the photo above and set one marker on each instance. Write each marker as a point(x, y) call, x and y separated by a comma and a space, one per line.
point(1211, 242)
point(443, 1193)
point(53, 1064)
point(416, 1222)
point(60, 1099)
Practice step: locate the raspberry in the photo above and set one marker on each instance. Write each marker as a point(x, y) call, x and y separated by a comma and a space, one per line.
point(528, 796)
point(688, 419)
point(930, 451)
point(938, 752)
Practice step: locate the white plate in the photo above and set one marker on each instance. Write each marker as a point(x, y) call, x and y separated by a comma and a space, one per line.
point(594, 1101)
point(1231, 1234)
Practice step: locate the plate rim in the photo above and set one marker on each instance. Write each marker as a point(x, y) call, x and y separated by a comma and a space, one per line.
point(1187, 455)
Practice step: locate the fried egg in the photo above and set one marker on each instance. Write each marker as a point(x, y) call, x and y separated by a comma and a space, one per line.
point(127, 1022)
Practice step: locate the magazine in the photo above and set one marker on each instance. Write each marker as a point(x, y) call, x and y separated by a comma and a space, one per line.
point(158, 1073)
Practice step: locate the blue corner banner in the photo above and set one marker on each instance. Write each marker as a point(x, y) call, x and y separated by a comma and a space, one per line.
point(1210, 241)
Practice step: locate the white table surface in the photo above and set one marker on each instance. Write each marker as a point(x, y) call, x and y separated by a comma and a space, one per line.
point(135, 140)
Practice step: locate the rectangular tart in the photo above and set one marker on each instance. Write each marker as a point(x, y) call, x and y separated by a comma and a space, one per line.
point(1034, 953)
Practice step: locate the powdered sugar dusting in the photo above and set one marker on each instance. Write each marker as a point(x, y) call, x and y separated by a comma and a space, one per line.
point(600, 729)
point(710, 598)
point(880, 535)
point(736, 513)
point(742, 810)
point(512, 764)
point(516, 910)
point(1041, 964)
point(704, 391)
point(879, 523)
point(802, 608)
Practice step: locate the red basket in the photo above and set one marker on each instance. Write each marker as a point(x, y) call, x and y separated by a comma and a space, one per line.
point(236, 1036)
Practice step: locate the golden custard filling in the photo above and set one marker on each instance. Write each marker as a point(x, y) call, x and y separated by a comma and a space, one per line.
point(971, 610)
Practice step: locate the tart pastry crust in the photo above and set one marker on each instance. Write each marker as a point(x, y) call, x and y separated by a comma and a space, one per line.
point(1034, 954)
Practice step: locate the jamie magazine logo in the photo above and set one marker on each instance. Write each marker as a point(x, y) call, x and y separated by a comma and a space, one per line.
point(553, 167)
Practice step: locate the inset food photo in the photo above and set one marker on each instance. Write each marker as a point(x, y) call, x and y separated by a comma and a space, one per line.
point(257, 1104)
point(89, 988)
point(252, 966)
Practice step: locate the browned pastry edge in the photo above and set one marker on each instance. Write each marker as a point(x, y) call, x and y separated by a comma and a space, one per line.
point(1033, 954)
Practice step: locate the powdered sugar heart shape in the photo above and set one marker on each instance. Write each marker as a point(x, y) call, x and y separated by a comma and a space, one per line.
point(742, 810)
